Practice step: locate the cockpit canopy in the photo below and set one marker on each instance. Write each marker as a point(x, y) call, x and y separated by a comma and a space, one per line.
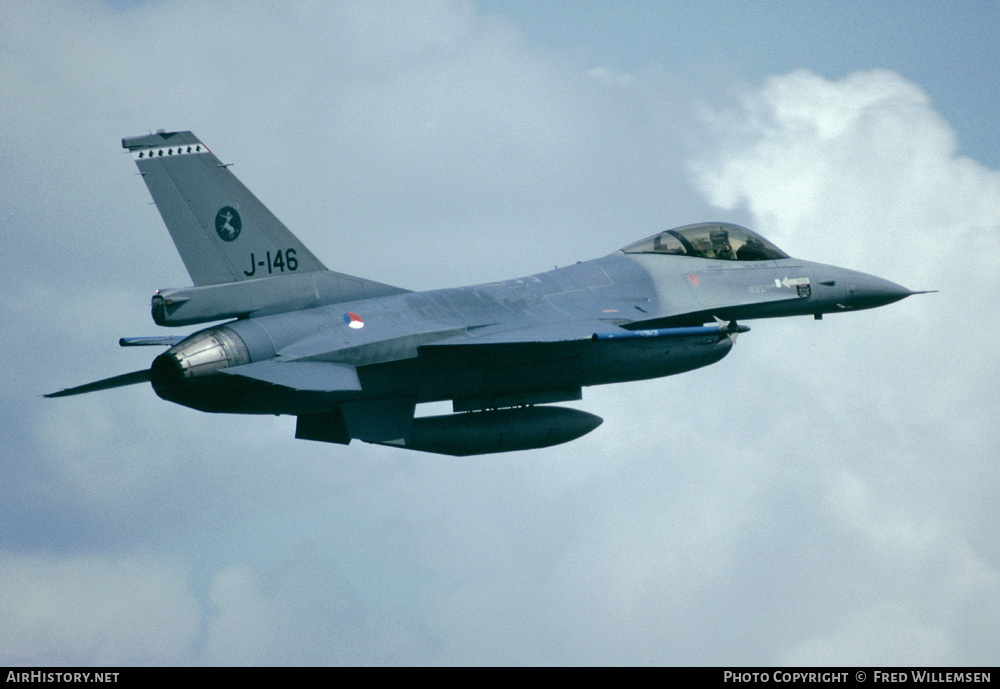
point(718, 240)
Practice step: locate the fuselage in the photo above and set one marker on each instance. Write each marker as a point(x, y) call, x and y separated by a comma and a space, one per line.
point(507, 341)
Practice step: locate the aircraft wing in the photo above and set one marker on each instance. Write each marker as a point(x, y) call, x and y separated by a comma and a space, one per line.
point(329, 375)
point(561, 331)
point(575, 332)
point(313, 376)
point(334, 373)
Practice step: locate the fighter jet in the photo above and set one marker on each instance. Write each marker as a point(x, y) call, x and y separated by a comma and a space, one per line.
point(351, 358)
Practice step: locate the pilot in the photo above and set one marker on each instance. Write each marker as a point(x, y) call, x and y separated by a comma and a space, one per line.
point(702, 247)
point(721, 248)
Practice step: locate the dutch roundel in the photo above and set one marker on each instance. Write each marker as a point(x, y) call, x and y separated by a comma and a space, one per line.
point(353, 320)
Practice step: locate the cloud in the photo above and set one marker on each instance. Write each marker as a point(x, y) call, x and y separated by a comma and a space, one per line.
point(301, 612)
point(826, 492)
point(873, 634)
point(860, 169)
point(85, 610)
point(863, 172)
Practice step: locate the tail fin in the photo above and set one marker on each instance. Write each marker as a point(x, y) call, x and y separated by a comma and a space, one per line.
point(222, 231)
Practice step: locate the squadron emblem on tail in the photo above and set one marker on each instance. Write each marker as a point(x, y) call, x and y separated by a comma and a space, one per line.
point(228, 223)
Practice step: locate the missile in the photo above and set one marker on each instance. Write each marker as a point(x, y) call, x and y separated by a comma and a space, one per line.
point(720, 327)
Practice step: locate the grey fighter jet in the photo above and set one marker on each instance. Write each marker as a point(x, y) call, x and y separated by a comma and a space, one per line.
point(351, 358)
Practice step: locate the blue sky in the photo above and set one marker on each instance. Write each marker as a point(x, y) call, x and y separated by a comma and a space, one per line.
point(824, 495)
point(949, 51)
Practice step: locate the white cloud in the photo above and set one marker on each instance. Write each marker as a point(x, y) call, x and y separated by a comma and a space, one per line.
point(92, 610)
point(242, 629)
point(863, 172)
point(877, 635)
point(860, 170)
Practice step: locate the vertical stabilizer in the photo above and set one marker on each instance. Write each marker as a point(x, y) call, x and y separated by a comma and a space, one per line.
point(221, 230)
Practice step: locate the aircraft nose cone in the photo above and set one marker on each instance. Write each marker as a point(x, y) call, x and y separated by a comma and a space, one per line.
point(867, 292)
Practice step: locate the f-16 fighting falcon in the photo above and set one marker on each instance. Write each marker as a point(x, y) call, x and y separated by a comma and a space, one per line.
point(351, 358)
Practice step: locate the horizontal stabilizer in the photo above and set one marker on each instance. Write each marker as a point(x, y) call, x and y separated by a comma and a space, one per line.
point(315, 376)
point(133, 378)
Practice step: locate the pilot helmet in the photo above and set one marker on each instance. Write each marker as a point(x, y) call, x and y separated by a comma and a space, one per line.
point(719, 235)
